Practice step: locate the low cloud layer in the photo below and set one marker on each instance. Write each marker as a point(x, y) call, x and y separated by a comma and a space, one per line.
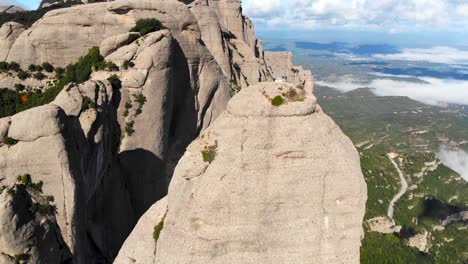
point(431, 91)
point(436, 55)
point(457, 160)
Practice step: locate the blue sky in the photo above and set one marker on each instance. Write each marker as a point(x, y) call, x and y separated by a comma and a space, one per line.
point(28, 4)
point(401, 22)
point(414, 22)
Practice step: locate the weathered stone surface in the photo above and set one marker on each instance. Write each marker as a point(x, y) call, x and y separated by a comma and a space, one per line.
point(139, 245)
point(4, 126)
point(10, 79)
point(73, 159)
point(111, 44)
point(142, 153)
point(9, 32)
point(282, 68)
point(63, 35)
point(285, 186)
point(11, 9)
point(27, 235)
point(43, 121)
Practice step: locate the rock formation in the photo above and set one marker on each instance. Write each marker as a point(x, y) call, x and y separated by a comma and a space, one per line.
point(11, 9)
point(107, 151)
point(27, 231)
point(263, 184)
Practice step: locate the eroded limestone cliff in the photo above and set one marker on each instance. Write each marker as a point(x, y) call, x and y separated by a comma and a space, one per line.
point(263, 184)
point(107, 150)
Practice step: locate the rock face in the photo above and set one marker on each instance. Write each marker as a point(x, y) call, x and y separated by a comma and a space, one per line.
point(279, 184)
point(9, 32)
point(281, 67)
point(140, 246)
point(107, 151)
point(46, 3)
point(26, 235)
point(69, 146)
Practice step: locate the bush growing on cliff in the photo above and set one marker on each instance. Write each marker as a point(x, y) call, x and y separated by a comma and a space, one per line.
point(157, 230)
point(209, 153)
point(14, 66)
point(12, 102)
point(277, 101)
point(9, 99)
point(19, 87)
point(129, 128)
point(22, 75)
point(39, 76)
point(147, 25)
point(127, 64)
point(9, 141)
point(87, 103)
point(47, 67)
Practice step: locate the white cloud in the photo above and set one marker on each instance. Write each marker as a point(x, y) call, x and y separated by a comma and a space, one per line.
point(462, 10)
point(263, 8)
point(389, 15)
point(435, 54)
point(457, 160)
point(431, 91)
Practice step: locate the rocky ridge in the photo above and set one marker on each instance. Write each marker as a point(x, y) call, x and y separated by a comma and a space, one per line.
point(107, 151)
point(256, 187)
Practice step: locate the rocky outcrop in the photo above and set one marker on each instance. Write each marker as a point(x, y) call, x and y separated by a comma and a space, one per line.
point(282, 68)
point(25, 234)
point(140, 246)
point(47, 3)
point(264, 184)
point(107, 152)
point(9, 32)
point(11, 9)
point(68, 145)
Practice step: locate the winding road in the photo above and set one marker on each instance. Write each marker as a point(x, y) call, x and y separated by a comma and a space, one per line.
point(403, 189)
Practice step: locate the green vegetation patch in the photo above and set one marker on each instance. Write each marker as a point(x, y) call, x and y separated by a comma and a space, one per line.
point(157, 230)
point(87, 103)
point(147, 25)
point(129, 128)
point(9, 141)
point(277, 101)
point(12, 102)
point(387, 249)
point(209, 153)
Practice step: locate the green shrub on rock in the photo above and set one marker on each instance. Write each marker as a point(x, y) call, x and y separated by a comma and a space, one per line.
point(157, 230)
point(277, 101)
point(47, 67)
point(147, 25)
point(19, 87)
point(9, 141)
point(14, 66)
point(127, 64)
point(39, 76)
point(209, 153)
point(22, 75)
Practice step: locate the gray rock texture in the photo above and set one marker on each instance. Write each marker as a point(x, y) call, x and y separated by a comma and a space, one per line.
point(108, 153)
point(284, 186)
point(27, 235)
point(9, 32)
